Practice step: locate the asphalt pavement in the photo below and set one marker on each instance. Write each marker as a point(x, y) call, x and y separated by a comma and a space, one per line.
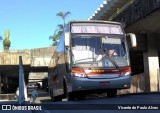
point(94, 103)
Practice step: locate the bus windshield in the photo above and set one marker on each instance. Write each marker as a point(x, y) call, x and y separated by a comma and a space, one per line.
point(97, 48)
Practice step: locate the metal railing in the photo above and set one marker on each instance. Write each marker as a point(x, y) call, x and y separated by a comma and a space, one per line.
point(135, 10)
point(121, 9)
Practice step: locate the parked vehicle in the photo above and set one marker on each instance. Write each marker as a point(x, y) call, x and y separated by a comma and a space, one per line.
point(91, 57)
point(30, 86)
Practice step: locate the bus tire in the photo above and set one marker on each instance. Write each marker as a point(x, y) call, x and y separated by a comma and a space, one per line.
point(64, 89)
point(70, 96)
point(81, 96)
point(112, 92)
point(56, 98)
point(51, 95)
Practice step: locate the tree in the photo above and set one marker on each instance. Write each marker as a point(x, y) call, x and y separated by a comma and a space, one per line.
point(6, 41)
point(61, 27)
point(57, 34)
point(63, 15)
point(55, 38)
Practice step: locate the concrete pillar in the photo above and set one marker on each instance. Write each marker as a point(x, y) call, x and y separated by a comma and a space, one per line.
point(151, 63)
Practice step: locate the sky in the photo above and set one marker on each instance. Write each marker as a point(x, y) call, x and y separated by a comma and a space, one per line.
point(31, 22)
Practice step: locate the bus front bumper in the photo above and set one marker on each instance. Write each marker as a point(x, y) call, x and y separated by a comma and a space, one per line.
point(79, 84)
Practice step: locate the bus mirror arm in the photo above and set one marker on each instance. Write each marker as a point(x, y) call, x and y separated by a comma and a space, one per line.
point(133, 39)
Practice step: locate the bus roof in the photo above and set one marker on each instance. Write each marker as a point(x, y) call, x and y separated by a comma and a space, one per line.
point(95, 26)
point(94, 21)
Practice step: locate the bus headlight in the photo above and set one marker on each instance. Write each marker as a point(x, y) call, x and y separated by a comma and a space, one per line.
point(125, 73)
point(82, 75)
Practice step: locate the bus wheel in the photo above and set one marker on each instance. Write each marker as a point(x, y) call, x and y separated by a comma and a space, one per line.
point(57, 98)
point(111, 92)
point(81, 96)
point(51, 95)
point(70, 96)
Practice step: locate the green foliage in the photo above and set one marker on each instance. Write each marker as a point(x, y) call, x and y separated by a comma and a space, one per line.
point(63, 15)
point(55, 38)
point(61, 27)
point(6, 41)
point(118, 10)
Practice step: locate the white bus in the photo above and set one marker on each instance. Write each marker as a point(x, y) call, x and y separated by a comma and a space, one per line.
point(91, 57)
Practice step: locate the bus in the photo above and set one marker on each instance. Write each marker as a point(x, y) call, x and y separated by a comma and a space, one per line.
point(91, 57)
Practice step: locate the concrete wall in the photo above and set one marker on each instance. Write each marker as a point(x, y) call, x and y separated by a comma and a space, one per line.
point(35, 77)
point(33, 57)
point(41, 56)
point(12, 57)
point(137, 85)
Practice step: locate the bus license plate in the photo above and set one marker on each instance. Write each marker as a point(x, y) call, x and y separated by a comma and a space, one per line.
point(104, 83)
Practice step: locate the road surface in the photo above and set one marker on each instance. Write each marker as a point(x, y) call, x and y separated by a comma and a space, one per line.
point(138, 103)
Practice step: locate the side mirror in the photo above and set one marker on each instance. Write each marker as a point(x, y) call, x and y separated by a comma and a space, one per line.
point(67, 39)
point(133, 39)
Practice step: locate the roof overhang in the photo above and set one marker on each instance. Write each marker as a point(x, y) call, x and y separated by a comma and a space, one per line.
point(107, 9)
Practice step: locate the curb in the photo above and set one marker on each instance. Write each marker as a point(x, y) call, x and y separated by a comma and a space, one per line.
point(141, 93)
